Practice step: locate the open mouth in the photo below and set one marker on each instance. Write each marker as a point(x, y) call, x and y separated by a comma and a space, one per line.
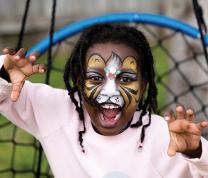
point(110, 114)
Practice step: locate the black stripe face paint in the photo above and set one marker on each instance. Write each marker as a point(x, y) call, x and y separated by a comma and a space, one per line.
point(112, 81)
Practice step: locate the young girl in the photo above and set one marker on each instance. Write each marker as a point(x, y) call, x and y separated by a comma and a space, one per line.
point(106, 128)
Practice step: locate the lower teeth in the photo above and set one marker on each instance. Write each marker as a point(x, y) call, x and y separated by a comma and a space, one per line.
point(111, 119)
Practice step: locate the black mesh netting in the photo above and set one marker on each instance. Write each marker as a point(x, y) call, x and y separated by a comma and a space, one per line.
point(181, 78)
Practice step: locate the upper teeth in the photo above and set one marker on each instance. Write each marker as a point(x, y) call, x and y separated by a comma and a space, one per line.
point(109, 106)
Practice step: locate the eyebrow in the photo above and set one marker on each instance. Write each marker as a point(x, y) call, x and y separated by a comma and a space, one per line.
point(98, 70)
point(94, 71)
point(129, 71)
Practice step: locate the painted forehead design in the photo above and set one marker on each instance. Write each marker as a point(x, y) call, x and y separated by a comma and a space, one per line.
point(113, 65)
point(97, 61)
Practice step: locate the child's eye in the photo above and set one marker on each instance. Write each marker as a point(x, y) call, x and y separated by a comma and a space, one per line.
point(125, 79)
point(96, 78)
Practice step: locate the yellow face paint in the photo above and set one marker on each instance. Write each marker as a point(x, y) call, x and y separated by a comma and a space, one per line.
point(130, 89)
point(130, 63)
point(124, 77)
point(94, 65)
point(112, 86)
point(95, 62)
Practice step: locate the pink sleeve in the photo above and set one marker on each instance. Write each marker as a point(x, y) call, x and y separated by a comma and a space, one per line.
point(201, 164)
point(39, 110)
point(20, 112)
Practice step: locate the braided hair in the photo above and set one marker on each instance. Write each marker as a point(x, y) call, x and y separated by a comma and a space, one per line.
point(116, 33)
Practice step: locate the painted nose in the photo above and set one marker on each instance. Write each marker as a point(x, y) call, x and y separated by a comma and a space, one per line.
point(110, 88)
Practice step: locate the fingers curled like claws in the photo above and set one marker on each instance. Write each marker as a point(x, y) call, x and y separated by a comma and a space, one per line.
point(169, 116)
point(202, 125)
point(20, 53)
point(39, 68)
point(190, 114)
point(33, 56)
point(180, 112)
point(9, 51)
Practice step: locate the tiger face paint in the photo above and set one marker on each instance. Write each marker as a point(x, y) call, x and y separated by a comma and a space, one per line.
point(112, 81)
point(109, 93)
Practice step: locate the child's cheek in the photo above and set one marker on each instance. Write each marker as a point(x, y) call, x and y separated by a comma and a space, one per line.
point(131, 94)
point(91, 89)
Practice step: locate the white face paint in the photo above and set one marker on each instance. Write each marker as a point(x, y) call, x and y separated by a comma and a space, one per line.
point(109, 92)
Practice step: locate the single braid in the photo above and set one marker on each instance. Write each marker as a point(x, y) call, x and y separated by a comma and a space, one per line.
point(81, 116)
point(150, 103)
point(80, 94)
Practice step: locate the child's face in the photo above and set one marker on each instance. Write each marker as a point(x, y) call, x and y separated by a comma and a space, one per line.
point(113, 81)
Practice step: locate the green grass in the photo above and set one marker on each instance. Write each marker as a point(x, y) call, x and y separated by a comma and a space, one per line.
point(56, 78)
point(161, 66)
point(24, 156)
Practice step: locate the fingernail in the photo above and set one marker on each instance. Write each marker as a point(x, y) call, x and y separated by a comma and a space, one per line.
point(32, 57)
point(17, 57)
point(189, 111)
point(5, 50)
point(42, 70)
point(167, 118)
point(179, 108)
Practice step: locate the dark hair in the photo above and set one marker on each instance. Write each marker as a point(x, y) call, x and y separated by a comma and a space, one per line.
point(115, 33)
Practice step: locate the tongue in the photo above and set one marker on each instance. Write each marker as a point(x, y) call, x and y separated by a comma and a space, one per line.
point(110, 113)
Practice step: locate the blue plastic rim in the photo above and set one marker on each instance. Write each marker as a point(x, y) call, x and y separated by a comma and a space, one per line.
point(152, 19)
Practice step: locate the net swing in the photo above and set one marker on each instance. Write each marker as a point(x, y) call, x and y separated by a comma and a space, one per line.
point(170, 67)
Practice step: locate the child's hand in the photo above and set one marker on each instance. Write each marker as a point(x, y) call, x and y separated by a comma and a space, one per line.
point(184, 133)
point(19, 68)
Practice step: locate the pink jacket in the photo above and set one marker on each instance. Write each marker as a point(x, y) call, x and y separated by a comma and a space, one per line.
point(49, 115)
